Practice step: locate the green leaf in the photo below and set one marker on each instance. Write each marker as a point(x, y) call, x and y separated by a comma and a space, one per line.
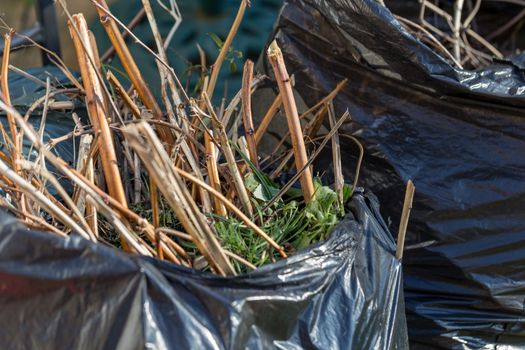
point(348, 191)
point(233, 66)
point(251, 182)
point(216, 40)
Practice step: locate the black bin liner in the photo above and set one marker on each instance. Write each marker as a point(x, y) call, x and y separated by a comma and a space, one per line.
point(459, 135)
point(345, 293)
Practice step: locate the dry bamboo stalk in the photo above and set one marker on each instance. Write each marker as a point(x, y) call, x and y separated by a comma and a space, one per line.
point(268, 117)
point(213, 174)
point(119, 89)
point(131, 68)
point(234, 209)
point(405, 215)
point(82, 182)
point(275, 57)
point(246, 107)
point(339, 180)
point(94, 97)
point(230, 158)
point(146, 144)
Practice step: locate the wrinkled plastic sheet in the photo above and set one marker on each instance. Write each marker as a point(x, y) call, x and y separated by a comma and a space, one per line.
point(459, 135)
point(345, 293)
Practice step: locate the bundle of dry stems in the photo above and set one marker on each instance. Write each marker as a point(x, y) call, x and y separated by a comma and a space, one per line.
point(185, 149)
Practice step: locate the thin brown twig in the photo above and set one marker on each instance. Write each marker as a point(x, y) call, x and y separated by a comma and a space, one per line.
point(246, 106)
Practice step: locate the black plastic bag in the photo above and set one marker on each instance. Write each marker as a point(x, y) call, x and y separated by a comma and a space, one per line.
point(459, 135)
point(345, 293)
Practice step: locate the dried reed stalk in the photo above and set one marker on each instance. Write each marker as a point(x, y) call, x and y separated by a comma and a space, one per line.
point(216, 67)
point(405, 215)
point(246, 110)
point(119, 89)
point(230, 158)
point(88, 186)
point(146, 144)
point(213, 174)
point(94, 99)
point(339, 180)
point(14, 140)
point(131, 68)
point(275, 57)
point(15, 152)
point(41, 199)
point(268, 117)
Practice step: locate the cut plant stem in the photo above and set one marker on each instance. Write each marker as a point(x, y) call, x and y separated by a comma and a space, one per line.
point(86, 185)
point(132, 69)
point(268, 117)
point(275, 57)
point(230, 158)
point(213, 174)
point(339, 180)
point(246, 110)
point(131, 25)
point(94, 99)
point(119, 89)
point(154, 199)
point(160, 167)
point(15, 150)
point(405, 215)
point(216, 68)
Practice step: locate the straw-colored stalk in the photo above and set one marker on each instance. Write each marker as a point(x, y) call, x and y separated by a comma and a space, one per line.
point(132, 69)
point(216, 67)
point(246, 110)
point(405, 216)
point(89, 187)
point(230, 158)
point(213, 174)
point(91, 210)
point(165, 74)
point(339, 180)
point(268, 117)
point(160, 167)
point(275, 57)
point(94, 99)
point(154, 200)
point(41, 199)
point(119, 89)
point(15, 150)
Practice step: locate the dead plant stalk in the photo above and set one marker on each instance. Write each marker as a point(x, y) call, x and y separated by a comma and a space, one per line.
point(276, 59)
